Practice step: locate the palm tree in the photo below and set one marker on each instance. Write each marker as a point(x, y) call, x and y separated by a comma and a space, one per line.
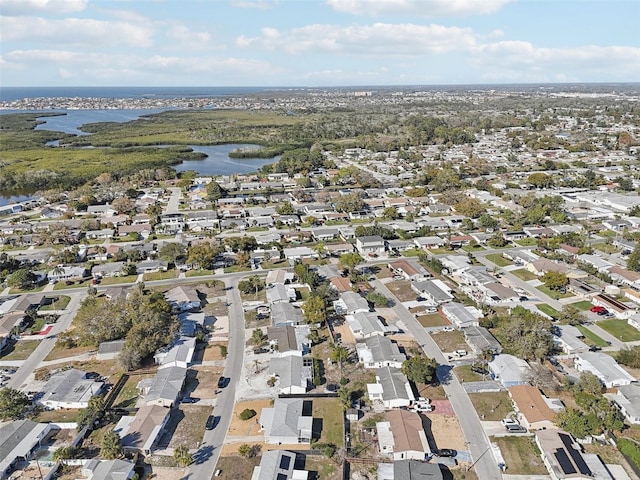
point(339, 354)
point(256, 365)
point(182, 456)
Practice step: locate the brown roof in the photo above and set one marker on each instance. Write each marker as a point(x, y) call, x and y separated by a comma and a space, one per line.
point(342, 284)
point(530, 403)
point(405, 266)
point(624, 273)
point(405, 427)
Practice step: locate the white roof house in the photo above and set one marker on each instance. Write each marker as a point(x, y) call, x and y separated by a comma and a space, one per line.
point(278, 465)
point(509, 370)
point(294, 373)
point(365, 324)
point(69, 389)
point(177, 355)
point(164, 388)
point(460, 315)
point(351, 303)
point(604, 367)
point(569, 339)
point(628, 401)
point(286, 423)
point(378, 351)
point(18, 441)
point(391, 390)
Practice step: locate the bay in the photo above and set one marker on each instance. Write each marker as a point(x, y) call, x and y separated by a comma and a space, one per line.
point(218, 161)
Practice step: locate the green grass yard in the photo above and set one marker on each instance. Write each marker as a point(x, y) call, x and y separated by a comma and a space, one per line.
point(590, 337)
point(524, 274)
point(499, 260)
point(620, 329)
point(554, 293)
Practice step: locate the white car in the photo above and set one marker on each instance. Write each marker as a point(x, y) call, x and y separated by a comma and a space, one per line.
point(448, 329)
point(509, 421)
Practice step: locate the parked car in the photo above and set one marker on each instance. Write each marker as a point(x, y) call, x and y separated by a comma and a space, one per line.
point(448, 329)
point(479, 370)
point(190, 400)
point(523, 298)
point(509, 421)
point(260, 350)
point(598, 309)
point(445, 452)
point(222, 382)
point(212, 422)
point(516, 429)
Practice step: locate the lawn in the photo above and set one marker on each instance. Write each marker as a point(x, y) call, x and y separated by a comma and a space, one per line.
point(19, 350)
point(303, 294)
point(189, 428)
point(128, 395)
point(475, 248)
point(521, 455)
point(16, 290)
point(79, 284)
point(554, 293)
point(465, 374)
point(326, 469)
point(499, 260)
point(524, 274)
point(590, 337)
point(492, 406)
point(402, 290)
point(620, 329)
point(414, 252)
point(432, 320)
point(62, 352)
point(118, 280)
point(330, 411)
point(199, 273)
point(59, 302)
point(237, 268)
point(527, 242)
point(169, 274)
point(583, 305)
point(63, 416)
point(544, 308)
point(235, 467)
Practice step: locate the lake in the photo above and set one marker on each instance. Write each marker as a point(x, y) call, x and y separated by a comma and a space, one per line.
point(218, 161)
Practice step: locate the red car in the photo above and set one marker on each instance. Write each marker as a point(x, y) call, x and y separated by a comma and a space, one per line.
point(597, 309)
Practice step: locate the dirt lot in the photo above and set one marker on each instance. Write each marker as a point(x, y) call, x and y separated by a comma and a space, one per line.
point(492, 406)
point(243, 428)
point(402, 290)
point(345, 334)
point(432, 320)
point(446, 432)
point(212, 351)
point(235, 467)
point(450, 341)
point(186, 425)
point(202, 382)
point(168, 473)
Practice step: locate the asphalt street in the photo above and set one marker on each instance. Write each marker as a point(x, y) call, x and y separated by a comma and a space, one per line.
point(485, 466)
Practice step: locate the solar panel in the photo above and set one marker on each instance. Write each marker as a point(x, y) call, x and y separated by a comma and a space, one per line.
point(575, 454)
point(565, 463)
point(285, 461)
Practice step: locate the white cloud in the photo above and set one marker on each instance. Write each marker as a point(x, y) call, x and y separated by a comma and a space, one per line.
point(30, 7)
point(369, 40)
point(75, 31)
point(256, 4)
point(189, 39)
point(422, 8)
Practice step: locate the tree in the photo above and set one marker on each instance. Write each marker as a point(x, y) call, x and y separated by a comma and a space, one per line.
point(247, 451)
point(314, 310)
point(172, 251)
point(555, 280)
point(215, 192)
point(66, 453)
point(111, 446)
point(589, 384)
point(286, 208)
point(540, 180)
point(182, 456)
point(203, 255)
point(13, 403)
point(123, 204)
point(378, 299)
point(91, 414)
point(524, 334)
point(350, 260)
point(571, 315)
point(419, 369)
point(351, 202)
point(344, 395)
point(633, 262)
point(577, 423)
point(470, 207)
point(253, 284)
point(258, 337)
point(497, 240)
point(22, 279)
point(629, 356)
point(339, 354)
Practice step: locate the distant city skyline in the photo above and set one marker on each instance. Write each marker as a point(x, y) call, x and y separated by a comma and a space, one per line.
point(316, 42)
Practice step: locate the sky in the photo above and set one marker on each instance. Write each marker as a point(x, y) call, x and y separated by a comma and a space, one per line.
point(317, 42)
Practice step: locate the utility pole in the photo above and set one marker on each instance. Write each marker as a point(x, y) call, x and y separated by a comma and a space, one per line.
point(478, 459)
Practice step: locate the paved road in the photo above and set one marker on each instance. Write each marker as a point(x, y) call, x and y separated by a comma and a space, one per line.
point(39, 354)
point(207, 456)
point(174, 201)
point(477, 441)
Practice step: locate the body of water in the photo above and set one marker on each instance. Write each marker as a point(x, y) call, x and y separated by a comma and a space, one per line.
point(218, 161)
point(72, 120)
point(8, 200)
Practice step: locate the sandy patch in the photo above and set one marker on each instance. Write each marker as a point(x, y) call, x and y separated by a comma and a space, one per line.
point(213, 351)
point(249, 427)
point(345, 334)
point(168, 473)
point(446, 432)
point(205, 382)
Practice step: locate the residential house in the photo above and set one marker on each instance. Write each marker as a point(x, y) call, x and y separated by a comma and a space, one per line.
point(19, 440)
point(391, 390)
point(294, 373)
point(69, 389)
point(564, 459)
point(496, 294)
point(164, 388)
point(179, 354)
point(183, 299)
point(278, 293)
point(461, 316)
point(140, 433)
point(428, 243)
point(109, 350)
point(290, 340)
point(480, 340)
point(410, 470)
point(409, 271)
point(10, 323)
point(341, 284)
point(532, 408)
point(279, 275)
point(509, 370)
point(108, 470)
point(278, 465)
point(288, 422)
point(402, 437)
point(627, 399)
point(569, 339)
point(151, 266)
point(378, 351)
point(351, 303)
point(283, 314)
point(62, 272)
point(436, 292)
point(299, 253)
point(604, 367)
point(107, 270)
point(365, 324)
point(370, 246)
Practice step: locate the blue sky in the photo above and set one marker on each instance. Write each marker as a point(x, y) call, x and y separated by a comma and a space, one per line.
point(316, 42)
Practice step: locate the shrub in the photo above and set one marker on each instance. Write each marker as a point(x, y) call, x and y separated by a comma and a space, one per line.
point(344, 380)
point(247, 413)
point(630, 449)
